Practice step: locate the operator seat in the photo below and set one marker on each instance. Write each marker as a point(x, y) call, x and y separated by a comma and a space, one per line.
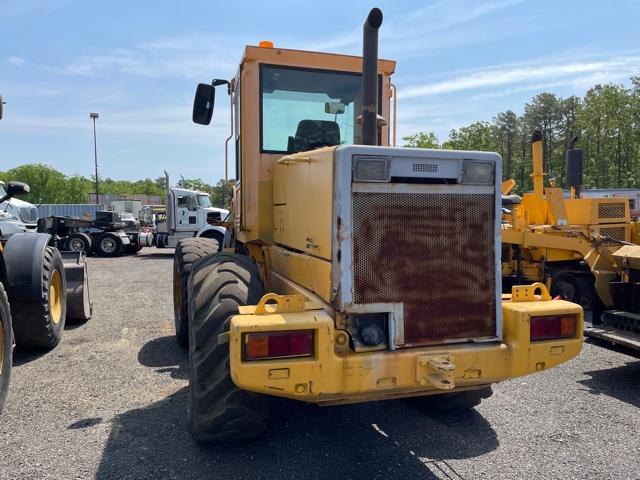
point(312, 134)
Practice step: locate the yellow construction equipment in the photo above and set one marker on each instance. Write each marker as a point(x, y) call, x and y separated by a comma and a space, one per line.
point(582, 249)
point(555, 240)
point(352, 270)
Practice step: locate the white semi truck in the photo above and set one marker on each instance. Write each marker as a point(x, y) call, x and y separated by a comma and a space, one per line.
point(188, 214)
point(24, 211)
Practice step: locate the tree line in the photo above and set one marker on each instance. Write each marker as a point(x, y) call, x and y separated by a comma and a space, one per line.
point(48, 185)
point(606, 120)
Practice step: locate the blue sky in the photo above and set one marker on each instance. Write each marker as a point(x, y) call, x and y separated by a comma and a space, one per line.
point(137, 63)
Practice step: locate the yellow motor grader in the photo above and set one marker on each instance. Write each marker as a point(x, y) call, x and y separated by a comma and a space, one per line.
point(352, 270)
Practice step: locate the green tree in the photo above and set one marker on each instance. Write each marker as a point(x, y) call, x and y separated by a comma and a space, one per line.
point(422, 140)
point(47, 184)
point(477, 136)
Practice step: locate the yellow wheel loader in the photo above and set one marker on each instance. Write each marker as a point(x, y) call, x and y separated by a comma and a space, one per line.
point(352, 270)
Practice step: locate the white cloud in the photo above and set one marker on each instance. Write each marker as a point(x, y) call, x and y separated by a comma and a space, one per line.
point(189, 57)
point(559, 74)
point(14, 60)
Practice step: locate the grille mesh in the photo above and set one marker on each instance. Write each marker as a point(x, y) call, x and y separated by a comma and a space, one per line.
point(611, 210)
point(432, 252)
point(616, 233)
point(425, 167)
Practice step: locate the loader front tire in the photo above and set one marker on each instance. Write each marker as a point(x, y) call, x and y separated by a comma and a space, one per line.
point(39, 323)
point(219, 411)
point(6, 346)
point(188, 251)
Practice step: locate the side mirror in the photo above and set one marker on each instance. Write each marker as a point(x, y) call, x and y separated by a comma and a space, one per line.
point(203, 104)
point(15, 189)
point(334, 108)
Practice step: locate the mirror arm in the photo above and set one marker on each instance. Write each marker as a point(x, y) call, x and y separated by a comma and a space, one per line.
point(6, 197)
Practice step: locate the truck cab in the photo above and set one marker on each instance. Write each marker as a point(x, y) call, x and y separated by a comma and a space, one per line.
point(26, 212)
point(189, 213)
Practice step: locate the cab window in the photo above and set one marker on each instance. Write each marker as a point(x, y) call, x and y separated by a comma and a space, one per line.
point(304, 109)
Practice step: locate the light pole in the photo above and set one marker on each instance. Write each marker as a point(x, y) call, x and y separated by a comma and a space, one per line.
point(94, 116)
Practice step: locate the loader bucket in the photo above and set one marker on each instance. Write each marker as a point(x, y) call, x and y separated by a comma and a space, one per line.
point(79, 306)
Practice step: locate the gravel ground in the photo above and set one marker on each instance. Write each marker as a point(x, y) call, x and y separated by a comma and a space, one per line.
point(110, 403)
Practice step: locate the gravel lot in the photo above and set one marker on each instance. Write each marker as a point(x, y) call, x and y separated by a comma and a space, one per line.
point(110, 403)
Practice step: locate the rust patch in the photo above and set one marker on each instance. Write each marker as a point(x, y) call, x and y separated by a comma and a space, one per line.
point(434, 253)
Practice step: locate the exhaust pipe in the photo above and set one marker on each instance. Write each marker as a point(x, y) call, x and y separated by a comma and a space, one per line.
point(574, 167)
point(370, 77)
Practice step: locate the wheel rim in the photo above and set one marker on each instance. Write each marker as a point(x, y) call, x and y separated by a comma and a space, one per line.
point(76, 245)
point(55, 297)
point(108, 245)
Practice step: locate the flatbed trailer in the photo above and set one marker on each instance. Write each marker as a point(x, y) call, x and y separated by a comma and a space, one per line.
point(106, 235)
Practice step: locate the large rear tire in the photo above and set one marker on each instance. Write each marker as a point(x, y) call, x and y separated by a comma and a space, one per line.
point(453, 402)
point(109, 244)
point(188, 251)
point(40, 322)
point(6, 346)
point(218, 410)
point(78, 242)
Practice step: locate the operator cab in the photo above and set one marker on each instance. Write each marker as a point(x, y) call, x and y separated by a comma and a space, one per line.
point(283, 102)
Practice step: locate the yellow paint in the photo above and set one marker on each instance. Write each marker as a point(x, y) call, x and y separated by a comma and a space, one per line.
point(507, 186)
point(312, 273)
point(348, 375)
point(303, 190)
point(55, 297)
point(557, 211)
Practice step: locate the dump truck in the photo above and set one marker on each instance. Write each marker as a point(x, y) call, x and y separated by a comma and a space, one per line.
point(353, 270)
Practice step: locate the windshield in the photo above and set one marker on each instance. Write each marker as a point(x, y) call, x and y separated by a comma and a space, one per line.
point(2, 191)
point(204, 201)
point(303, 109)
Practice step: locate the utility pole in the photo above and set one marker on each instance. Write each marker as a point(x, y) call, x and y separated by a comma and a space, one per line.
point(94, 116)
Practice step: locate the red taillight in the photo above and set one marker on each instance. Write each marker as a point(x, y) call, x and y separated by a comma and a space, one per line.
point(264, 345)
point(553, 326)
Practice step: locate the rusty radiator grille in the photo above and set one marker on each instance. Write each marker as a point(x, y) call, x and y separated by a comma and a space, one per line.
point(611, 210)
point(432, 252)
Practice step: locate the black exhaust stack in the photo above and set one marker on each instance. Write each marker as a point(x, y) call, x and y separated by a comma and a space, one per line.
point(574, 166)
point(370, 77)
